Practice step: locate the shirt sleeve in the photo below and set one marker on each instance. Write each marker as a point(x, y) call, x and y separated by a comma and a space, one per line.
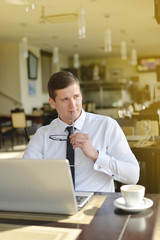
point(117, 160)
point(34, 149)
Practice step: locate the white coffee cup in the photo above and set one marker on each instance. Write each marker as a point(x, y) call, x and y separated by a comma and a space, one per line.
point(132, 194)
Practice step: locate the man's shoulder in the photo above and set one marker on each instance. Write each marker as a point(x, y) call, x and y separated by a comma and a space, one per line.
point(52, 124)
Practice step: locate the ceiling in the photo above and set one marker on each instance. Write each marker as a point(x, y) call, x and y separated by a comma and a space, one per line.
point(129, 20)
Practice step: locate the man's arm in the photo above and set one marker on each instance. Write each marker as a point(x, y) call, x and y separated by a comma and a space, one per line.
point(118, 162)
point(34, 148)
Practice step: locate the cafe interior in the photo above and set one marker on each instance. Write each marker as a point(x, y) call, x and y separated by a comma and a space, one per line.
point(113, 47)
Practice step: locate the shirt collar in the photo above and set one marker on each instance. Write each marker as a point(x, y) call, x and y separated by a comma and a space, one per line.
point(78, 123)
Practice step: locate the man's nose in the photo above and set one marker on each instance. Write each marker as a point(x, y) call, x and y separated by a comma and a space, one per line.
point(72, 103)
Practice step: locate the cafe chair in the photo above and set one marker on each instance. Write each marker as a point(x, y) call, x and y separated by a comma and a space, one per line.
point(117, 186)
point(37, 111)
point(5, 132)
point(129, 126)
point(31, 130)
point(18, 120)
point(47, 108)
point(149, 127)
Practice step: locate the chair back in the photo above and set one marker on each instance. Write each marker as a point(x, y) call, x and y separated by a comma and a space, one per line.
point(18, 118)
point(153, 127)
point(31, 130)
point(129, 126)
point(37, 112)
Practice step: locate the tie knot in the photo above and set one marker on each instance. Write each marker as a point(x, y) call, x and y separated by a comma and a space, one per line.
point(70, 129)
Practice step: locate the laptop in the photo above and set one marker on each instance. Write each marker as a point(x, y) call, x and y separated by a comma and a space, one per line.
point(40, 186)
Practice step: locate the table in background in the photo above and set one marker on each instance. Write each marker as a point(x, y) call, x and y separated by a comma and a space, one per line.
point(110, 223)
point(41, 118)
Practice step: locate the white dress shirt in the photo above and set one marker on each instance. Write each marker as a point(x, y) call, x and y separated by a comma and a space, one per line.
point(115, 161)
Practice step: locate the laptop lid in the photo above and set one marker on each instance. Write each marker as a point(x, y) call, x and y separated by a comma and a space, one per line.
point(43, 186)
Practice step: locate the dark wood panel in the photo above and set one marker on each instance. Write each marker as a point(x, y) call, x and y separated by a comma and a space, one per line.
point(149, 160)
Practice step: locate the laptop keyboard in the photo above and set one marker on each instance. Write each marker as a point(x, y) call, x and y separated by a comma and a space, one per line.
point(80, 199)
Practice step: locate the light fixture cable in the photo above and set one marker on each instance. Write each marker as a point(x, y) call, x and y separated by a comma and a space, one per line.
point(82, 23)
point(123, 50)
point(25, 47)
point(134, 57)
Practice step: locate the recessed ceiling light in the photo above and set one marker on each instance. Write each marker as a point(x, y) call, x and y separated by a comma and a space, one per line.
point(107, 15)
point(54, 37)
point(122, 30)
point(23, 24)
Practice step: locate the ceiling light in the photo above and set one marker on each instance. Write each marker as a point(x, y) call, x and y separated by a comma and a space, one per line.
point(76, 60)
point(25, 47)
point(26, 4)
point(82, 23)
point(55, 55)
point(123, 50)
point(27, 8)
point(33, 6)
point(107, 40)
point(134, 57)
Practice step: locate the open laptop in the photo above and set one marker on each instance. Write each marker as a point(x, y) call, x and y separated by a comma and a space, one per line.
point(43, 186)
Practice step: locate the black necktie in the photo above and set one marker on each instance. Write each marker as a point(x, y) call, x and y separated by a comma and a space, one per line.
point(70, 152)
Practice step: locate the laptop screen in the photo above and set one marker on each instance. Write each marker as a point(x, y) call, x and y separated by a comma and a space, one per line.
point(30, 185)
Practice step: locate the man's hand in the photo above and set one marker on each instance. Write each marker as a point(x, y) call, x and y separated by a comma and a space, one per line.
point(82, 141)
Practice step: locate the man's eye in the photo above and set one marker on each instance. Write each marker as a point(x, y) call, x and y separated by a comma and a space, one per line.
point(64, 99)
point(76, 96)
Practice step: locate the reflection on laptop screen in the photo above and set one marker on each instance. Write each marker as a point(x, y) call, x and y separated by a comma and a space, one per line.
point(43, 186)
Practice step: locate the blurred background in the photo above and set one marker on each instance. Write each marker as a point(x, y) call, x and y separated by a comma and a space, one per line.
point(113, 47)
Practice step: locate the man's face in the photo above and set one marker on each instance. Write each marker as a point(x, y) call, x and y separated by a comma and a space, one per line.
point(68, 100)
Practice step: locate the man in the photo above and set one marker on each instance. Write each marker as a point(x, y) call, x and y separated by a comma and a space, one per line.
point(102, 153)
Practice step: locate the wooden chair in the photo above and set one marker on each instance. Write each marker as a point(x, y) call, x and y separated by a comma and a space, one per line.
point(31, 130)
point(18, 120)
point(153, 127)
point(5, 132)
point(129, 126)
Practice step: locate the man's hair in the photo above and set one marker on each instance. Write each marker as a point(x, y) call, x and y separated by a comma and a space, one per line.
point(60, 80)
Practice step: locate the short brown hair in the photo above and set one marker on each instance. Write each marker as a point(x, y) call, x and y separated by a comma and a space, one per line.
point(60, 80)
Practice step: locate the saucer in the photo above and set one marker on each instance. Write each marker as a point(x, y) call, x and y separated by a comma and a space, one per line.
point(144, 204)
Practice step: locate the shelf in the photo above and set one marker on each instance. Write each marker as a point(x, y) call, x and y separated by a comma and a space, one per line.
point(96, 84)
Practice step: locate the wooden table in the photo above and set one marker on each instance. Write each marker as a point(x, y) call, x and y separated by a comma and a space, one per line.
point(110, 223)
point(149, 114)
point(45, 118)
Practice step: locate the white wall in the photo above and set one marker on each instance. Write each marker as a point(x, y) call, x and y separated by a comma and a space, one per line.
point(14, 78)
point(39, 98)
point(30, 101)
point(9, 76)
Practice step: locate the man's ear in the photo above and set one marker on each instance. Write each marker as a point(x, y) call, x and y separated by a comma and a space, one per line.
point(52, 103)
